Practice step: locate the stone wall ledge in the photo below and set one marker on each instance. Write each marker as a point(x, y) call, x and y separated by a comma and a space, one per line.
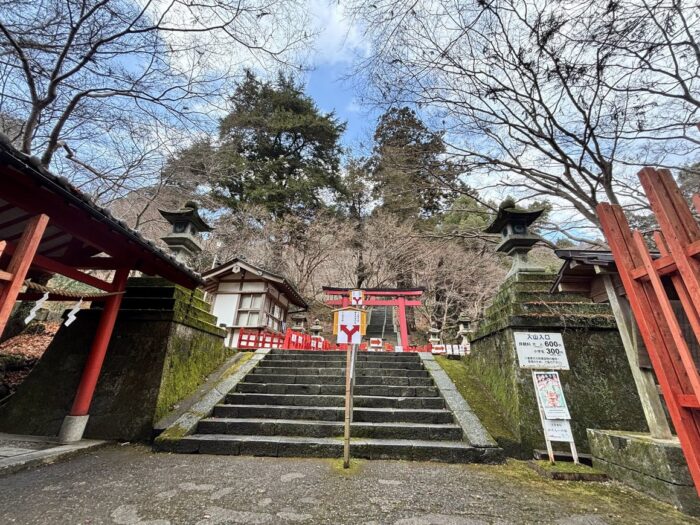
point(656, 467)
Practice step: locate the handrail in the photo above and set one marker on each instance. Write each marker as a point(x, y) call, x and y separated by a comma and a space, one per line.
point(349, 388)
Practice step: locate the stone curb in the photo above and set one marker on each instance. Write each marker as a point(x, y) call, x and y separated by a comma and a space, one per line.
point(186, 424)
point(48, 455)
point(474, 432)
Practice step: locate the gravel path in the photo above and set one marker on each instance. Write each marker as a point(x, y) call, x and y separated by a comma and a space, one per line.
point(128, 485)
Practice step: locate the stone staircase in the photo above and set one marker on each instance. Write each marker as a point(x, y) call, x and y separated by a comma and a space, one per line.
point(292, 404)
point(381, 324)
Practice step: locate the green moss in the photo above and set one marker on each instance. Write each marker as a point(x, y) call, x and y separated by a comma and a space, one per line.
point(626, 506)
point(187, 364)
point(567, 467)
point(175, 432)
point(354, 469)
point(480, 400)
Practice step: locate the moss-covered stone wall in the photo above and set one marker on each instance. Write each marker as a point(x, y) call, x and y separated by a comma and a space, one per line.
point(191, 356)
point(599, 388)
point(164, 345)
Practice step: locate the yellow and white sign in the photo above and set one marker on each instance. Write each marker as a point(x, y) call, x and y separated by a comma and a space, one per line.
point(349, 327)
point(357, 297)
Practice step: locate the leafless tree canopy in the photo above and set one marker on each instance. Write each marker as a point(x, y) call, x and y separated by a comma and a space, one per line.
point(561, 99)
point(117, 82)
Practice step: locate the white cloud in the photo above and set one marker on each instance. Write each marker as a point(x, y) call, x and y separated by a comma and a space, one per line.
point(339, 39)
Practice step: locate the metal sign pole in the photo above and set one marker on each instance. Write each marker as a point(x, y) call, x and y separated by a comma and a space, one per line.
point(349, 380)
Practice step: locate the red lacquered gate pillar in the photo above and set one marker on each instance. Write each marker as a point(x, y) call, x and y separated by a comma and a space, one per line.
point(74, 424)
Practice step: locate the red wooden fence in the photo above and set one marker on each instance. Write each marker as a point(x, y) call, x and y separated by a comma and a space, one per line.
point(253, 339)
point(678, 242)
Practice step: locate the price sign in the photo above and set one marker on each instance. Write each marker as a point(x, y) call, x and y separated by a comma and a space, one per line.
point(543, 350)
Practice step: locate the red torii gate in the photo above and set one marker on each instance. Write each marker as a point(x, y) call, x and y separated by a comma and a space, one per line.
point(399, 297)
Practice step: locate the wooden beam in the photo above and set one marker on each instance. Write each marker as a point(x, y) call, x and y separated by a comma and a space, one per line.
point(19, 265)
point(101, 263)
point(688, 400)
point(371, 302)
point(664, 265)
point(49, 265)
point(643, 379)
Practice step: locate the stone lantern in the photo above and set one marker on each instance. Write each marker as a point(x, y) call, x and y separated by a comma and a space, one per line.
point(298, 321)
point(434, 332)
point(187, 224)
point(316, 328)
point(464, 331)
point(517, 241)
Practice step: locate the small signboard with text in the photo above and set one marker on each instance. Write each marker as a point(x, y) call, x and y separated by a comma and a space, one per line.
point(541, 350)
point(558, 430)
point(349, 326)
point(544, 353)
point(357, 297)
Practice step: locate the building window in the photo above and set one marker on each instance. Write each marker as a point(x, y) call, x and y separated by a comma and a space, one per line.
point(274, 315)
point(249, 310)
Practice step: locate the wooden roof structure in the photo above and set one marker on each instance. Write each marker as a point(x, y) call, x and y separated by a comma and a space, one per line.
point(47, 226)
point(80, 234)
point(237, 264)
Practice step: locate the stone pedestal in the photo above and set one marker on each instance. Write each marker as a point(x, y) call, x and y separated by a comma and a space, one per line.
point(599, 388)
point(164, 345)
point(653, 466)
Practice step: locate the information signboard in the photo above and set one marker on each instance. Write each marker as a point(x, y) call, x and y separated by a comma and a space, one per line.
point(558, 430)
point(550, 395)
point(357, 297)
point(543, 350)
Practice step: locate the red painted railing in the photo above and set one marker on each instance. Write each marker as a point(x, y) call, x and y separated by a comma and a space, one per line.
point(253, 339)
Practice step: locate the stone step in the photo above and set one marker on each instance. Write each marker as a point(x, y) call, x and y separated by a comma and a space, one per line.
point(360, 390)
point(331, 364)
point(310, 428)
point(359, 372)
point(364, 448)
point(240, 398)
point(338, 380)
point(320, 413)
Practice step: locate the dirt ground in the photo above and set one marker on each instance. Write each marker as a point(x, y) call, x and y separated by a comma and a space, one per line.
point(129, 485)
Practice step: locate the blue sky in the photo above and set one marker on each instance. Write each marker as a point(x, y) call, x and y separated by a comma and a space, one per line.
point(337, 44)
point(326, 86)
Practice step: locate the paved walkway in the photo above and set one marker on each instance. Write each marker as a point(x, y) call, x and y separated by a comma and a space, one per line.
point(18, 452)
point(128, 485)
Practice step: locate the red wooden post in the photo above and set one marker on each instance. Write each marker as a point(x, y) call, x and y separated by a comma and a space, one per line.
point(696, 202)
point(649, 305)
point(96, 357)
point(19, 266)
point(403, 325)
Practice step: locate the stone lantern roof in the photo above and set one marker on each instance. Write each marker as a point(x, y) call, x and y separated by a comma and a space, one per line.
point(187, 224)
point(188, 213)
point(513, 225)
point(509, 214)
